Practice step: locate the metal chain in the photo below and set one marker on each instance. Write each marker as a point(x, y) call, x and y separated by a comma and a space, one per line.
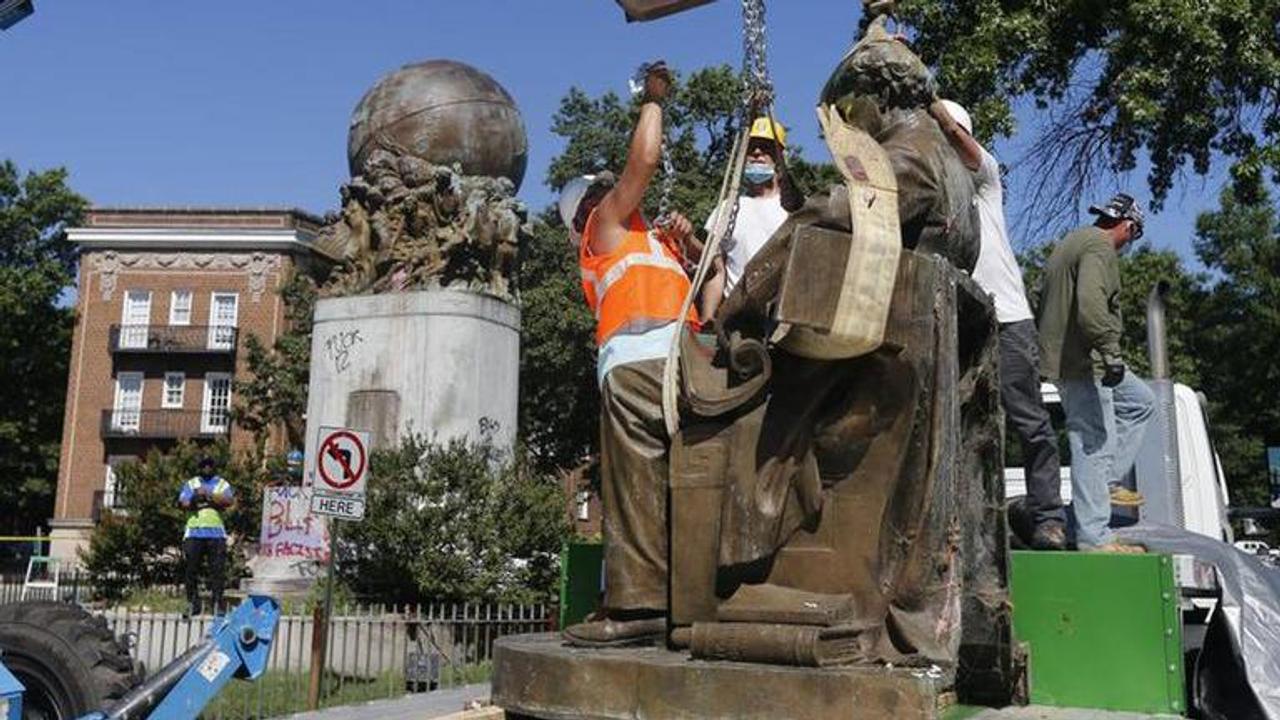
point(755, 65)
point(668, 180)
point(755, 76)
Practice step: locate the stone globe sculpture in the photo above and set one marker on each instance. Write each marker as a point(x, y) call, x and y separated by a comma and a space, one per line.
point(444, 112)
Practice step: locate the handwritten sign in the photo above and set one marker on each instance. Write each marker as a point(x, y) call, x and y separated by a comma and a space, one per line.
point(289, 529)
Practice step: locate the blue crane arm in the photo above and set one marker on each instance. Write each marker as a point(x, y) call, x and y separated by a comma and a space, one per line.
point(239, 646)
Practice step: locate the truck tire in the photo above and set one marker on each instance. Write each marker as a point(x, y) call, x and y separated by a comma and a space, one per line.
point(68, 660)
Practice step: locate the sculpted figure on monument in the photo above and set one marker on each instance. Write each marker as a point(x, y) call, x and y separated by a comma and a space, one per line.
point(834, 483)
point(437, 150)
point(407, 224)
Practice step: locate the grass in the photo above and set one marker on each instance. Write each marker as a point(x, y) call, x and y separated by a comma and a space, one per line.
point(153, 601)
point(161, 601)
point(280, 693)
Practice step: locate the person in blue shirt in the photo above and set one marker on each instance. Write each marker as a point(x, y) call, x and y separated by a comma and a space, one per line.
point(205, 496)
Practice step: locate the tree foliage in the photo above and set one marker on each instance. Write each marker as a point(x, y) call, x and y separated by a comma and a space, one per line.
point(37, 265)
point(274, 395)
point(138, 544)
point(455, 521)
point(1239, 336)
point(1178, 81)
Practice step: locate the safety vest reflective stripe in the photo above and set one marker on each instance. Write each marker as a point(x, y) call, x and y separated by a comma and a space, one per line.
point(638, 286)
point(657, 257)
point(207, 518)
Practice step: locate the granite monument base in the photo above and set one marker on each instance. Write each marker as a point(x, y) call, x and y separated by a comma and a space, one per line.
point(539, 676)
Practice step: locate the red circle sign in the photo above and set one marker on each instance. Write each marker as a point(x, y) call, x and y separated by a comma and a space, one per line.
point(352, 467)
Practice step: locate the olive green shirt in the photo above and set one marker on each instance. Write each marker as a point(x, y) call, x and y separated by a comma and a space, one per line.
point(1080, 319)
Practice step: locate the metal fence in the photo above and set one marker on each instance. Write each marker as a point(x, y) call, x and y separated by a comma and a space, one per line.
point(374, 652)
point(74, 585)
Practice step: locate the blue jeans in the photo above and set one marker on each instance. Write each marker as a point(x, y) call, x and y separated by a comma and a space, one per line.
point(1105, 428)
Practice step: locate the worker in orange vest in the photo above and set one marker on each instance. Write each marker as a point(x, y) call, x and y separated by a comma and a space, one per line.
point(635, 283)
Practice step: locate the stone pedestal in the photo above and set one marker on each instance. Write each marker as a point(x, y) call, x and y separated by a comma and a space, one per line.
point(538, 676)
point(441, 363)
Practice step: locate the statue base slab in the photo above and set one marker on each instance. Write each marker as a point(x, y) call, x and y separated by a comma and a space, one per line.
point(540, 677)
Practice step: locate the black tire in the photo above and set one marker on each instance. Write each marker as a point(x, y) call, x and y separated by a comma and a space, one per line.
point(68, 660)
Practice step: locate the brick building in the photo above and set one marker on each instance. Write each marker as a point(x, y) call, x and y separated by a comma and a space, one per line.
point(165, 299)
point(582, 506)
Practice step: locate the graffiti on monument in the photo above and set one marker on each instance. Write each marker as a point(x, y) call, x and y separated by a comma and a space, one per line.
point(289, 530)
point(340, 346)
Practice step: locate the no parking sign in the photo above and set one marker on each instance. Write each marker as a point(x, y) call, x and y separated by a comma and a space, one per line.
point(342, 464)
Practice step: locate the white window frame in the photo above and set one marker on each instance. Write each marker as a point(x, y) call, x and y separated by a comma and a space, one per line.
point(174, 317)
point(208, 415)
point(133, 334)
point(123, 418)
point(219, 338)
point(109, 487)
point(165, 401)
point(584, 505)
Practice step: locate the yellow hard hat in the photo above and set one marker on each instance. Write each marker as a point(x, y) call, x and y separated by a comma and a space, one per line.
point(767, 129)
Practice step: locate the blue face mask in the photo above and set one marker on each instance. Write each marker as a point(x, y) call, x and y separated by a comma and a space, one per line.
point(758, 173)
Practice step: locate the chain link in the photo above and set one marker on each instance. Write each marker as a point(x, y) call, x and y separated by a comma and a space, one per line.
point(668, 180)
point(755, 75)
point(755, 65)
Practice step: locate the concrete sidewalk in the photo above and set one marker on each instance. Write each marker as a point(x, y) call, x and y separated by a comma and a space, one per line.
point(418, 706)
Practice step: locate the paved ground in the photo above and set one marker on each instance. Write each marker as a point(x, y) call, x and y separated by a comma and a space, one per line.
point(419, 706)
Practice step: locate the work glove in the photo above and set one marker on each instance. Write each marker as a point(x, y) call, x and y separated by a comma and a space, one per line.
point(1112, 372)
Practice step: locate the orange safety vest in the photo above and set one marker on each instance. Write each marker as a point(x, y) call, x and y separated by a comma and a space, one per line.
point(639, 286)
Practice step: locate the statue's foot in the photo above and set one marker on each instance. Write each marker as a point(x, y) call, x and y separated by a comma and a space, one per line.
point(633, 628)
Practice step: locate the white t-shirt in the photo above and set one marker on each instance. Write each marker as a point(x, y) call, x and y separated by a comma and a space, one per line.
point(758, 218)
point(997, 270)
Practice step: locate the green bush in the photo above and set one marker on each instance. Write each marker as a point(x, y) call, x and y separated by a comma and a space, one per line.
point(453, 522)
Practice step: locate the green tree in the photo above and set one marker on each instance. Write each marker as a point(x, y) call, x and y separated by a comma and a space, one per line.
point(138, 544)
point(455, 521)
point(1239, 342)
point(1180, 82)
point(559, 394)
point(275, 393)
point(37, 265)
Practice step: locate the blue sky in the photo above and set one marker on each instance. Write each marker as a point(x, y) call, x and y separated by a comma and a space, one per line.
point(247, 103)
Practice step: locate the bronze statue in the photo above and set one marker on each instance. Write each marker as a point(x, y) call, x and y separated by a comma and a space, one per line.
point(835, 497)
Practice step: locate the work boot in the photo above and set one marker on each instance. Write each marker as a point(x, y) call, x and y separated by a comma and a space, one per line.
point(1049, 535)
point(1115, 548)
point(1124, 497)
point(642, 627)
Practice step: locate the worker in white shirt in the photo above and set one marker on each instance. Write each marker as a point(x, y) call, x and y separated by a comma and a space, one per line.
point(998, 273)
point(760, 213)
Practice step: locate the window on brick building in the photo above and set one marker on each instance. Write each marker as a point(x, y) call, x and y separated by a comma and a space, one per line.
point(175, 384)
point(180, 307)
point(134, 319)
point(126, 414)
point(223, 315)
point(216, 408)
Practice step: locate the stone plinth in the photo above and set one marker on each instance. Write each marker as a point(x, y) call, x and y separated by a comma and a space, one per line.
point(538, 676)
point(441, 363)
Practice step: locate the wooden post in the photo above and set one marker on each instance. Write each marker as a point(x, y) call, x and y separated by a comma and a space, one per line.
point(320, 625)
point(319, 634)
